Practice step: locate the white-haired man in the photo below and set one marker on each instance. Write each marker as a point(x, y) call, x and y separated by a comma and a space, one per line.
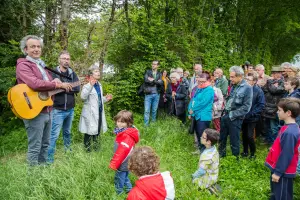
point(193, 82)
point(262, 77)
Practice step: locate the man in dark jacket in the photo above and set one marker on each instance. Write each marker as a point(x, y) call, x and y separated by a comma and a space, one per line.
point(64, 103)
point(274, 91)
point(252, 117)
point(238, 104)
point(153, 85)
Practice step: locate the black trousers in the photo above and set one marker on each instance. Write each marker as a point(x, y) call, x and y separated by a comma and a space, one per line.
point(231, 129)
point(88, 138)
point(248, 137)
point(260, 128)
point(283, 190)
point(87, 142)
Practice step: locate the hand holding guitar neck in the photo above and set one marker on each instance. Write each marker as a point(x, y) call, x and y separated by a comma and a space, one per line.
point(66, 86)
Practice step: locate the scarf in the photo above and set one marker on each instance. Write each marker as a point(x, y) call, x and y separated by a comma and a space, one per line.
point(204, 85)
point(41, 65)
point(174, 86)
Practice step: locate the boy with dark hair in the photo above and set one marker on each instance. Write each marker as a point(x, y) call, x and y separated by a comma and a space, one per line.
point(127, 137)
point(207, 173)
point(283, 156)
point(152, 184)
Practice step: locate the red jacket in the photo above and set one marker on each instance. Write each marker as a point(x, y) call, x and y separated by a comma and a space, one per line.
point(124, 144)
point(282, 159)
point(153, 187)
point(27, 72)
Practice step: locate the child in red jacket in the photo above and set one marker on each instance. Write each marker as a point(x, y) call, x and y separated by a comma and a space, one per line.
point(283, 156)
point(127, 137)
point(151, 185)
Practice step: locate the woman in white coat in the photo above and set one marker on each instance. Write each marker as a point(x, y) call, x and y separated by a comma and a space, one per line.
point(92, 119)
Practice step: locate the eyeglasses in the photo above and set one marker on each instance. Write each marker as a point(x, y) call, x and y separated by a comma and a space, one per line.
point(65, 58)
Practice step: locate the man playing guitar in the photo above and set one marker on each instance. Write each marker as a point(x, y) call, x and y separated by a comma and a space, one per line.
point(31, 71)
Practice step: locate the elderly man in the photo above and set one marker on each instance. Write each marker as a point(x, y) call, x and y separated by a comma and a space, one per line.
point(153, 85)
point(31, 71)
point(64, 103)
point(262, 77)
point(238, 104)
point(274, 91)
point(221, 81)
point(193, 82)
point(286, 69)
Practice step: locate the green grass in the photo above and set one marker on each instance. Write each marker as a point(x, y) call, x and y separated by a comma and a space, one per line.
point(79, 175)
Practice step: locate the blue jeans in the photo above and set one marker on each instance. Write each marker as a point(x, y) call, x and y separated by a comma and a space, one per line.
point(231, 128)
point(121, 180)
point(272, 128)
point(60, 118)
point(38, 133)
point(151, 102)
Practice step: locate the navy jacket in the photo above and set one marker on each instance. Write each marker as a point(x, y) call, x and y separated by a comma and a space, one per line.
point(258, 104)
point(295, 94)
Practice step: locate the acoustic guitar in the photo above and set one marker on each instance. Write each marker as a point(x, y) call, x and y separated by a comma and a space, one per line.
point(27, 103)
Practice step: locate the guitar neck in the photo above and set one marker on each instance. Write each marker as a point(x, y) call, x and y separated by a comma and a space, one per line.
point(53, 92)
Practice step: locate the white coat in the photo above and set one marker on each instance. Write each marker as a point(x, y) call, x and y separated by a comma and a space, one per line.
point(89, 117)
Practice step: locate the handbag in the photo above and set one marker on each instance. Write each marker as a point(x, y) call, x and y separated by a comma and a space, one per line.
point(192, 126)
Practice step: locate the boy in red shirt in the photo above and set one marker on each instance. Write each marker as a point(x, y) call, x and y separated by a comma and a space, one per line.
point(151, 185)
point(283, 156)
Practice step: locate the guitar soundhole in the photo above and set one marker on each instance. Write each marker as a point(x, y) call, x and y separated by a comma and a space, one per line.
point(43, 96)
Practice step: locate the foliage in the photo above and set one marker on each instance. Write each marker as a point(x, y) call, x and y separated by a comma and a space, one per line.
point(79, 175)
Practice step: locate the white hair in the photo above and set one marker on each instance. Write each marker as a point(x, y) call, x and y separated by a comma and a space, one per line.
point(175, 74)
point(260, 66)
point(92, 68)
point(286, 65)
point(179, 69)
point(23, 42)
point(237, 69)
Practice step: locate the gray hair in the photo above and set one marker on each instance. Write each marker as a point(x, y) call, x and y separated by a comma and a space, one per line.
point(175, 74)
point(260, 66)
point(92, 68)
point(23, 42)
point(286, 65)
point(220, 70)
point(237, 69)
point(179, 69)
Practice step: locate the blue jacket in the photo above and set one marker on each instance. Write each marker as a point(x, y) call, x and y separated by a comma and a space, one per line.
point(258, 104)
point(242, 100)
point(295, 94)
point(202, 104)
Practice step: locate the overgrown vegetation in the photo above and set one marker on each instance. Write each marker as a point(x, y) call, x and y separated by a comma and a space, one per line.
point(81, 175)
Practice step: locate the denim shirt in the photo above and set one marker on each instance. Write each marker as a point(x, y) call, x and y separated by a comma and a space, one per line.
point(242, 101)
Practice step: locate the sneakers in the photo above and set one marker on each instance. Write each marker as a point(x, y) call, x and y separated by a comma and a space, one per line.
point(252, 157)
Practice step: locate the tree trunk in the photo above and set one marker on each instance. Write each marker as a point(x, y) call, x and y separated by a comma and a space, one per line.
point(106, 38)
point(64, 21)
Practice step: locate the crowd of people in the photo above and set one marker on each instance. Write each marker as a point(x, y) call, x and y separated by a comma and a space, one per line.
point(250, 102)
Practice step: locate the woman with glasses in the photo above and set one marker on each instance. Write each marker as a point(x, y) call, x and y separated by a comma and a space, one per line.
point(201, 105)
